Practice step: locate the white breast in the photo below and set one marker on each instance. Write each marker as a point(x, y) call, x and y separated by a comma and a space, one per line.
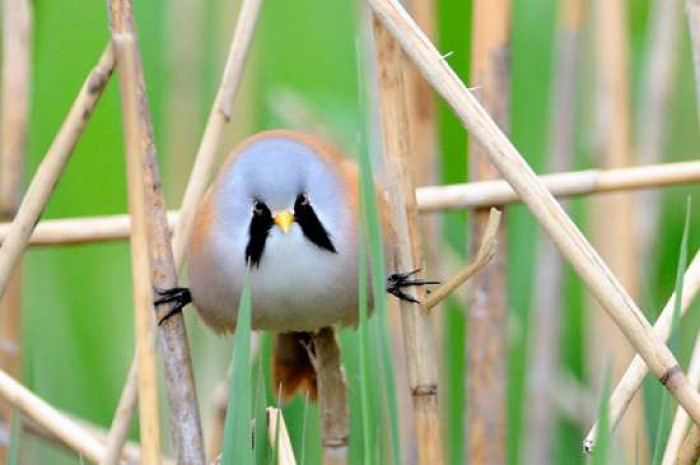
point(297, 286)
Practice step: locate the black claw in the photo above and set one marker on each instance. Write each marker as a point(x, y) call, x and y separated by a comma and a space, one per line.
point(178, 296)
point(396, 281)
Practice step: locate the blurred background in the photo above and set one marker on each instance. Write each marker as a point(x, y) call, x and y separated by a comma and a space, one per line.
point(77, 315)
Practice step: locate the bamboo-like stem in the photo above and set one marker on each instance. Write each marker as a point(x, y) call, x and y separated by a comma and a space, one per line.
point(681, 419)
point(116, 437)
point(16, 77)
point(125, 47)
point(324, 353)
point(51, 167)
point(55, 422)
point(690, 449)
point(487, 331)
point(546, 311)
point(185, 426)
point(568, 184)
point(615, 230)
point(657, 86)
point(429, 200)
point(221, 113)
point(199, 177)
point(275, 421)
point(485, 253)
point(568, 238)
point(417, 325)
point(633, 377)
point(131, 453)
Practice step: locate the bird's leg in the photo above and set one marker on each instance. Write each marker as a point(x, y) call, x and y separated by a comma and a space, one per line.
point(178, 296)
point(396, 281)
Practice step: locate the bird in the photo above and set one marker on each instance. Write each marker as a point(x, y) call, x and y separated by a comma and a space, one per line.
point(283, 210)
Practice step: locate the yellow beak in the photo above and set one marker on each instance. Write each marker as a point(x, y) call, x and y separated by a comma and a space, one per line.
point(284, 220)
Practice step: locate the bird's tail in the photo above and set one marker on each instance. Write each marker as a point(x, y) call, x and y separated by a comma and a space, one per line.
point(292, 368)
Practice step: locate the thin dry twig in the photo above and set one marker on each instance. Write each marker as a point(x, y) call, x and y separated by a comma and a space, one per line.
point(118, 431)
point(221, 113)
point(16, 77)
point(51, 167)
point(275, 421)
point(58, 424)
point(324, 353)
point(487, 312)
point(633, 377)
point(417, 325)
point(185, 425)
point(568, 238)
point(485, 253)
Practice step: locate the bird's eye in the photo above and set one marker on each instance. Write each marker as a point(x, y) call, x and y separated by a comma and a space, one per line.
point(258, 208)
point(303, 199)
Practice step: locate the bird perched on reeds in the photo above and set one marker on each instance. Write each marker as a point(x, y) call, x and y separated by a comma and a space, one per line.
point(284, 208)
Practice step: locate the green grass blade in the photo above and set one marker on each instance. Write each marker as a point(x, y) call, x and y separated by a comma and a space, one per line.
point(15, 432)
point(261, 449)
point(237, 446)
point(600, 453)
point(364, 346)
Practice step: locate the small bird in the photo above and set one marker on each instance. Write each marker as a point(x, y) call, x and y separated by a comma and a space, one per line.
point(284, 209)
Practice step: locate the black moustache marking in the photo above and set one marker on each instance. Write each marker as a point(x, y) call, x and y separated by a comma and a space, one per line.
point(310, 225)
point(260, 226)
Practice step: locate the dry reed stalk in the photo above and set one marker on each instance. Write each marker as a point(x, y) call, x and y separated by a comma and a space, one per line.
point(199, 177)
point(55, 422)
point(429, 199)
point(690, 449)
point(547, 305)
point(681, 420)
point(484, 255)
point(614, 218)
point(324, 353)
point(657, 86)
point(131, 453)
point(185, 427)
point(85, 230)
point(279, 439)
point(221, 113)
point(637, 369)
point(125, 48)
point(417, 325)
point(487, 311)
point(16, 77)
point(51, 167)
point(573, 245)
point(118, 431)
point(567, 184)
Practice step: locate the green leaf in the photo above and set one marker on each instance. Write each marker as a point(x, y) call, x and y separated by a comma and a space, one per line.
point(237, 444)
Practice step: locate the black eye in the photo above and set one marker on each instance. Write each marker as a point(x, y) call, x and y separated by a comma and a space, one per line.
point(302, 200)
point(259, 208)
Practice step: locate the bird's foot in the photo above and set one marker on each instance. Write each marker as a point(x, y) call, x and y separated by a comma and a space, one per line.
point(178, 296)
point(396, 281)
